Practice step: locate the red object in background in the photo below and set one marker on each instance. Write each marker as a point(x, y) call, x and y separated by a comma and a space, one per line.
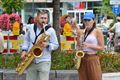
point(11, 51)
point(69, 38)
point(10, 37)
point(81, 5)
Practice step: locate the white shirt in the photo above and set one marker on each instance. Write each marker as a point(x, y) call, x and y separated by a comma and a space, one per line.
point(30, 37)
point(116, 27)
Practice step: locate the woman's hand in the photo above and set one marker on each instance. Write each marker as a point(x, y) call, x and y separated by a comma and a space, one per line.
point(86, 45)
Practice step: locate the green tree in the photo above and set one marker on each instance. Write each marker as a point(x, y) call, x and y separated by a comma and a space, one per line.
point(10, 6)
point(106, 8)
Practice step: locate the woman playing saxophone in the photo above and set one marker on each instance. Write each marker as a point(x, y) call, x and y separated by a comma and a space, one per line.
point(93, 41)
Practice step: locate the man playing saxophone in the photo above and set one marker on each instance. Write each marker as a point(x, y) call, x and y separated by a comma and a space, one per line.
point(40, 67)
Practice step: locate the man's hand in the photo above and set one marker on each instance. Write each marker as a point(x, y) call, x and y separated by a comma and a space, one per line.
point(43, 44)
point(23, 55)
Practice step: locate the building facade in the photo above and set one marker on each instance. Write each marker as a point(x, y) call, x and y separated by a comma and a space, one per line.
point(77, 7)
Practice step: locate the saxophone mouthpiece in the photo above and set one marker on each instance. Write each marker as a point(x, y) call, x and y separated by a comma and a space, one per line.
point(44, 24)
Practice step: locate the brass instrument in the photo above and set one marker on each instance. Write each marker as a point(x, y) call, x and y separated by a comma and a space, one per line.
point(35, 51)
point(78, 56)
point(79, 53)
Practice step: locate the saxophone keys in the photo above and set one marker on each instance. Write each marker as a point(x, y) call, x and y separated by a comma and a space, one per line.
point(29, 55)
point(22, 64)
point(18, 67)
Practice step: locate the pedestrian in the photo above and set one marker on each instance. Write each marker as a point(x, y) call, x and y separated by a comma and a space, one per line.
point(116, 28)
point(67, 29)
point(40, 68)
point(75, 30)
point(93, 41)
point(21, 29)
point(30, 20)
point(75, 27)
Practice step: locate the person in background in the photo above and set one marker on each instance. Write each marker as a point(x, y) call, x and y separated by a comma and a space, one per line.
point(40, 68)
point(116, 28)
point(74, 26)
point(105, 26)
point(30, 20)
point(67, 29)
point(104, 23)
point(21, 29)
point(1, 42)
point(62, 23)
point(93, 42)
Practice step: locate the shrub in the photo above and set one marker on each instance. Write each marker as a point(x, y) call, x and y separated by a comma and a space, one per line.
point(110, 62)
point(62, 60)
point(9, 61)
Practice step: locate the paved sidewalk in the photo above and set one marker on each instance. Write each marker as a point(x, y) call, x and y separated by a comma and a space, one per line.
point(54, 75)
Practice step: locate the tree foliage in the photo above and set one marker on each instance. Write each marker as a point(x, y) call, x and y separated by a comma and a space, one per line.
point(106, 8)
point(10, 6)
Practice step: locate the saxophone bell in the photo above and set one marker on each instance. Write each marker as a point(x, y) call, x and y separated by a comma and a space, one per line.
point(37, 52)
point(80, 54)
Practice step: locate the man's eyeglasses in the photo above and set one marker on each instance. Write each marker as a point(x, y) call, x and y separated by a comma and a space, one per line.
point(87, 20)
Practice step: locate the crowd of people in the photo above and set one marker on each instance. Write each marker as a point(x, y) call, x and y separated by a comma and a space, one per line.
point(111, 31)
point(116, 30)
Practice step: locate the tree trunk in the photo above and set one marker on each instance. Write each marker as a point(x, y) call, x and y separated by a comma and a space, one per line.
point(56, 15)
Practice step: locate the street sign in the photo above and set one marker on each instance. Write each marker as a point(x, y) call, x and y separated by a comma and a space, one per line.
point(116, 9)
point(114, 2)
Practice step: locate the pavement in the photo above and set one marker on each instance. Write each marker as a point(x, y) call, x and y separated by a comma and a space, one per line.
point(7, 74)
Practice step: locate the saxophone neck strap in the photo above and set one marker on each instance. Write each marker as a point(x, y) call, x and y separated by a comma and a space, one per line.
point(42, 31)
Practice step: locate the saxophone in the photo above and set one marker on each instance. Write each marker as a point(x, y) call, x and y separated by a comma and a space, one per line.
point(35, 51)
point(79, 53)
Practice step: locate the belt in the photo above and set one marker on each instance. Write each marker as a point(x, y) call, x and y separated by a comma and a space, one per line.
point(90, 53)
